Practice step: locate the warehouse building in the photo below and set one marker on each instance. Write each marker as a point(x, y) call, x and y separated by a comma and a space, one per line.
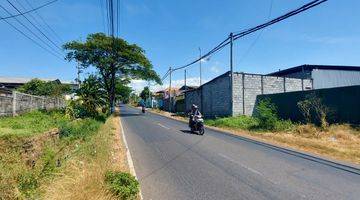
point(324, 76)
point(218, 97)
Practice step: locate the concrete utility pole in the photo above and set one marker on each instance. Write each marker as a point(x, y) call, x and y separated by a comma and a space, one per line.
point(170, 90)
point(185, 78)
point(231, 74)
point(200, 67)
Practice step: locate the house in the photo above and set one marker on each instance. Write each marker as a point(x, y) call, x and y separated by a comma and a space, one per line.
point(324, 76)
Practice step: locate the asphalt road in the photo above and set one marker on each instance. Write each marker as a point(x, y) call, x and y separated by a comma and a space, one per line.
point(172, 163)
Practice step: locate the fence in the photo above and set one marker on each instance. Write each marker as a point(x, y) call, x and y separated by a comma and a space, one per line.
point(19, 103)
point(342, 102)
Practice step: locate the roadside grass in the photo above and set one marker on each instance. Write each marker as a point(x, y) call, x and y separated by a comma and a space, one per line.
point(29, 124)
point(32, 152)
point(340, 142)
point(84, 175)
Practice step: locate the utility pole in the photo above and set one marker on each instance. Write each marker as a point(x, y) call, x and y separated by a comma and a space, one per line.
point(78, 74)
point(200, 66)
point(185, 78)
point(170, 91)
point(231, 74)
point(150, 95)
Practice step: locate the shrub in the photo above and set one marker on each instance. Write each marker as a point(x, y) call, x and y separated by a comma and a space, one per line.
point(267, 114)
point(79, 129)
point(123, 185)
point(313, 105)
point(241, 122)
point(27, 184)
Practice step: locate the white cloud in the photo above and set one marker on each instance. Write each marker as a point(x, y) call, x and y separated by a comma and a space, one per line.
point(215, 68)
point(138, 85)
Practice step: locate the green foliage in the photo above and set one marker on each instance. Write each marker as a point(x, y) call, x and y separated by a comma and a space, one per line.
point(113, 58)
point(92, 94)
point(266, 114)
point(239, 122)
point(31, 123)
point(44, 88)
point(123, 91)
point(314, 110)
point(123, 185)
point(27, 184)
point(145, 93)
point(79, 129)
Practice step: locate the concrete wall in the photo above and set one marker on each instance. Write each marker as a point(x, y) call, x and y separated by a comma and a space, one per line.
point(343, 103)
point(251, 85)
point(20, 103)
point(214, 97)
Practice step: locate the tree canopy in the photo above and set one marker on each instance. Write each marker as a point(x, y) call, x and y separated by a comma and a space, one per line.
point(44, 88)
point(112, 57)
point(145, 93)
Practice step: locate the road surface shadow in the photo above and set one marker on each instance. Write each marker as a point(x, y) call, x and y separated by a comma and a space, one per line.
point(188, 132)
point(129, 114)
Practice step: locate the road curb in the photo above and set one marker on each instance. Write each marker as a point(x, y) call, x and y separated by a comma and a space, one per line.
point(129, 158)
point(349, 167)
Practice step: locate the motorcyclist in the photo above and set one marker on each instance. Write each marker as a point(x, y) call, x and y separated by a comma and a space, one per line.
point(193, 113)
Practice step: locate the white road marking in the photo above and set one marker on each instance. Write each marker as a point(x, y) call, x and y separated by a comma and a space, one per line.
point(163, 126)
point(129, 159)
point(241, 165)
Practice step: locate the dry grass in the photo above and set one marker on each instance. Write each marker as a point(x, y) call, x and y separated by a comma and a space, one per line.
point(83, 176)
point(340, 142)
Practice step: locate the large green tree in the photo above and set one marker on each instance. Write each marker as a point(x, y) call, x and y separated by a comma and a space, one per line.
point(44, 88)
point(113, 58)
point(145, 93)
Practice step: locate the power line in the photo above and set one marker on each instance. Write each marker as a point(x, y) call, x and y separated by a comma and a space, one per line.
point(254, 29)
point(258, 36)
point(31, 39)
point(29, 11)
point(44, 21)
point(42, 33)
point(32, 16)
point(32, 32)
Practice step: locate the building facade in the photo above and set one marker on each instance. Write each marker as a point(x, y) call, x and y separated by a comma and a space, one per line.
point(219, 98)
point(324, 76)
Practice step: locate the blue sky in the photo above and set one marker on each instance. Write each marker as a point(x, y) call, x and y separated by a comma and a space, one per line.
point(172, 31)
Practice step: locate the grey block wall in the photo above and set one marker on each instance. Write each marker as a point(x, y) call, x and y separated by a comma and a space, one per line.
point(214, 97)
point(20, 103)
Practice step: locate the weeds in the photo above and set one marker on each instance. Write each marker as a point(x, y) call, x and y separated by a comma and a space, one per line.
point(123, 185)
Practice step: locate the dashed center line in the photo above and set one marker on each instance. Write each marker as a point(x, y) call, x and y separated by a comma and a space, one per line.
point(165, 127)
point(241, 165)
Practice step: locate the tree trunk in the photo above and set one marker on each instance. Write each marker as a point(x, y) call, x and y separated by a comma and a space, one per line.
point(112, 90)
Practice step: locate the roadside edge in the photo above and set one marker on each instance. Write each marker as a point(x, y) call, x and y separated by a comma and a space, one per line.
point(128, 156)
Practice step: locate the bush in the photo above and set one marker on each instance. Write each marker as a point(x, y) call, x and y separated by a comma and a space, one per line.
point(123, 185)
point(267, 114)
point(79, 129)
point(313, 109)
point(241, 122)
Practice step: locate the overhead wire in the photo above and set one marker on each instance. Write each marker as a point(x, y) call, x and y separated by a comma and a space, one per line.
point(32, 17)
point(31, 39)
point(41, 32)
point(254, 29)
point(32, 32)
point(29, 11)
point(46, 24)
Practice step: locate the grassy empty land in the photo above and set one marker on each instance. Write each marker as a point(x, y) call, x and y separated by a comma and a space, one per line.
point(340, 142)
point(46, 155)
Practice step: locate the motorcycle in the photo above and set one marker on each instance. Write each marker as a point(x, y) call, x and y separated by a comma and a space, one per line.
point(197, 124)
point(143, 109)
